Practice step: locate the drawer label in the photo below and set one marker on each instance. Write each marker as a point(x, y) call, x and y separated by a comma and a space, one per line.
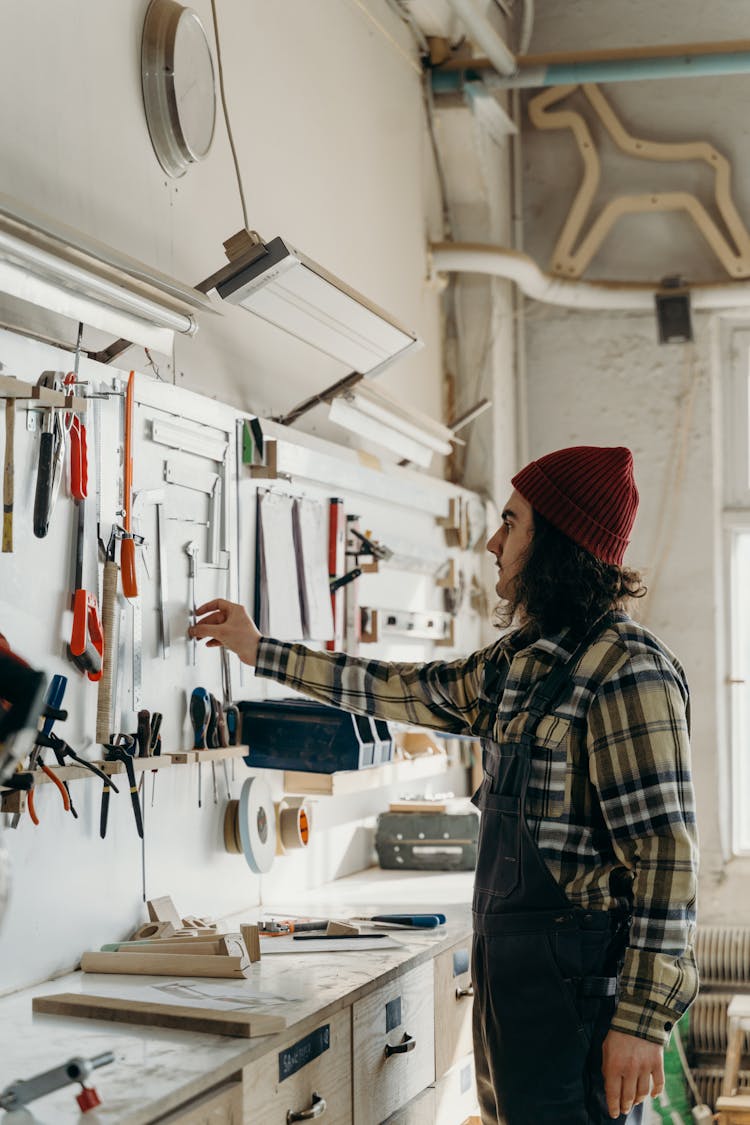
point(393, 1014)
point(304, 1051)
point(460, 962)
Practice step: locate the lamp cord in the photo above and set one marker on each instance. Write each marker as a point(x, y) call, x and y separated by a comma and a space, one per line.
point(226, 116)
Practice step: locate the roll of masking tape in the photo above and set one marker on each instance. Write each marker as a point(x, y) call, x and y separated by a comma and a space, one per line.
point(294, 824)
point(257, 825)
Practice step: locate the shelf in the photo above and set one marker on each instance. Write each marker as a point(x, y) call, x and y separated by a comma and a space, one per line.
point(372, 777)
point(219, 755)
point(140, 765)
point(10, 387)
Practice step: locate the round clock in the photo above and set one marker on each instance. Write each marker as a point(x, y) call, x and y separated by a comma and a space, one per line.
point(177, 76)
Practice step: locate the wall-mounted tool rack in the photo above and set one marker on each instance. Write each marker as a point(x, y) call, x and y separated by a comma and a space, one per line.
point(10, 387)
point(14, 800)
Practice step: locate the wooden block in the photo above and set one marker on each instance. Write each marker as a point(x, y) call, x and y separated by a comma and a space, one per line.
point(164, 910)
point(333, 928)
point(238, 1023)
point(200, 924)
point(162, 964)
point(13, 801)
point(251, 938)
point(155, 930)
point(218, 947)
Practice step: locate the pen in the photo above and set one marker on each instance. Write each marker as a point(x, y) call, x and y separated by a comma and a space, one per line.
point(336, 937)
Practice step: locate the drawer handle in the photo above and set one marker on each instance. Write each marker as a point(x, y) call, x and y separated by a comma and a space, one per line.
point(408, 1043)
point(317, 1109)
point(462, 992)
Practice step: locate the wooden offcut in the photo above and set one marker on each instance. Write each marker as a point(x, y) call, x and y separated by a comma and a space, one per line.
point(251, 938)
point(245, 1025)
point(163, 964)
point(164, 910)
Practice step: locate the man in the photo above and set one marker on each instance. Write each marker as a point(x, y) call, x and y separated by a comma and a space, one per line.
point(584, 899)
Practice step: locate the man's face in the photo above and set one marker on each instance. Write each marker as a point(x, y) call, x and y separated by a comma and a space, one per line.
point(511, 542)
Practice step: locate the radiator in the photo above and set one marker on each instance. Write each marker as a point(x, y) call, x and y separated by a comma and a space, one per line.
point(723, 956)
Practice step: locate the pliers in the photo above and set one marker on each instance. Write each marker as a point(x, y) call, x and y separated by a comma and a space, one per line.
point(121, 750)
point(62, 750)
point(50, 712)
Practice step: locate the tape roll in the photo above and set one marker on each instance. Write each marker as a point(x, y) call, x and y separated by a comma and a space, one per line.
point(231, 828)
point(294, 826)
point(257, 824)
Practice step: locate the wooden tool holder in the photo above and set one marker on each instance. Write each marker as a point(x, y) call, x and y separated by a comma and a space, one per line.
point(14, 800)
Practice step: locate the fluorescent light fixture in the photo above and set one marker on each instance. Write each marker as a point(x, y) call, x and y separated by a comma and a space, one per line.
point(282, 286)
point(65, 271)
point(383, 419)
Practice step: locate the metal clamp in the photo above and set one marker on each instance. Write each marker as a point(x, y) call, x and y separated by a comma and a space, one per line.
point(408, 1043)
point(463, 992)
point(317, 1109)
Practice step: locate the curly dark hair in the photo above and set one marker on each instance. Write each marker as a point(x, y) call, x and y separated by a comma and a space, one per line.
point(562, 585)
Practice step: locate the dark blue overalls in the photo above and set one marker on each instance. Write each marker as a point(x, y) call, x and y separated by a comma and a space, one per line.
point(544, 971)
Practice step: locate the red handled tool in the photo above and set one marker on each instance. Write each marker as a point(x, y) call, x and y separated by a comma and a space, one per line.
point(79, 458)
point(86, 647)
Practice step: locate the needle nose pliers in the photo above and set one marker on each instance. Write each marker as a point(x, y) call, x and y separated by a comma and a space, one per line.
point(121, 750)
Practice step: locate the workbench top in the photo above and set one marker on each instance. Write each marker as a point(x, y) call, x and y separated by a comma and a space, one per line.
point(157, 1070)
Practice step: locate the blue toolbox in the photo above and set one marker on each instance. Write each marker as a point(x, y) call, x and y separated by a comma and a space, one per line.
point(298, 734)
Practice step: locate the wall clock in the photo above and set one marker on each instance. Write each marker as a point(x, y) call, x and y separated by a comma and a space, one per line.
point(177, 77)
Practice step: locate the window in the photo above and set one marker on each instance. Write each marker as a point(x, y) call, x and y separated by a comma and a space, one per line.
point(736, 431)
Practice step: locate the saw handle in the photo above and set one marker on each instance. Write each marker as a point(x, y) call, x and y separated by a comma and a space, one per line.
point(104, 699)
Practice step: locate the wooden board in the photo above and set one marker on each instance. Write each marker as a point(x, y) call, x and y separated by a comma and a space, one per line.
point(245, 1025)
point(373, 777)
point(163, 964)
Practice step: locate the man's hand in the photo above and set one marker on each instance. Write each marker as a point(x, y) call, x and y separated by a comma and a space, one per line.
point(227, 624)
point(632, 1068)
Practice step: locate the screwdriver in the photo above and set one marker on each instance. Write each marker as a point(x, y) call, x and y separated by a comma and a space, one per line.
point(200, 716)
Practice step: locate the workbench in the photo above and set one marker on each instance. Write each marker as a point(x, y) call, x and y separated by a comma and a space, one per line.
point(337, 999)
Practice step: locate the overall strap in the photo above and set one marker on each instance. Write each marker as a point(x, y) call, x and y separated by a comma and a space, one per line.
point(554, 686)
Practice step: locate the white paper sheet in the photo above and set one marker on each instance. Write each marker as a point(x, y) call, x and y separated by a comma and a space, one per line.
point(280, 600)
point(311, 539)
point(325, 945)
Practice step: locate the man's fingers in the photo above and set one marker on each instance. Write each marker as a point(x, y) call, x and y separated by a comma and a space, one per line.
point(642, 1087)
point(215, 603)
point(214, 619)
point(657, 1075)
point(612, 1087)
point(627, 1094)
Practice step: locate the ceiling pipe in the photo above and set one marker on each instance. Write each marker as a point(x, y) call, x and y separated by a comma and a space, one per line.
point(483, 34)
point(448, 257)
point(620, 65)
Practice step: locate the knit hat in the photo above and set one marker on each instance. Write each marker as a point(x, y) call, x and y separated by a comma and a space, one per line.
point(587, 492)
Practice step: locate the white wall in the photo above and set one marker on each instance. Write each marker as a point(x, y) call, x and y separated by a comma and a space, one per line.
point(603, 378)
point(328, 116)
point(328, 121)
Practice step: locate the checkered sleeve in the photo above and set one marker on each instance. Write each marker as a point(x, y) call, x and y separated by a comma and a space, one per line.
point(440, 695)
point(639, 762)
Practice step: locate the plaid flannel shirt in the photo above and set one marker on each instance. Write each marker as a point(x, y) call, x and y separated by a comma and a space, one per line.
point(610, 800)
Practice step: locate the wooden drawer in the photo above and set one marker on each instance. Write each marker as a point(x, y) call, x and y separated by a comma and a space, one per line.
point(453, 1004)
point(220, 1106)
point(456, 1094)
point(397, 1014)
point(288, 1079)
point(419, 1111)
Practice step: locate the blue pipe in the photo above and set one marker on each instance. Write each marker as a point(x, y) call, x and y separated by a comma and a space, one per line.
point(617, 70)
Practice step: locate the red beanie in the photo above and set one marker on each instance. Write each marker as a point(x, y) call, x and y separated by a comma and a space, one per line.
point(587, 492)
